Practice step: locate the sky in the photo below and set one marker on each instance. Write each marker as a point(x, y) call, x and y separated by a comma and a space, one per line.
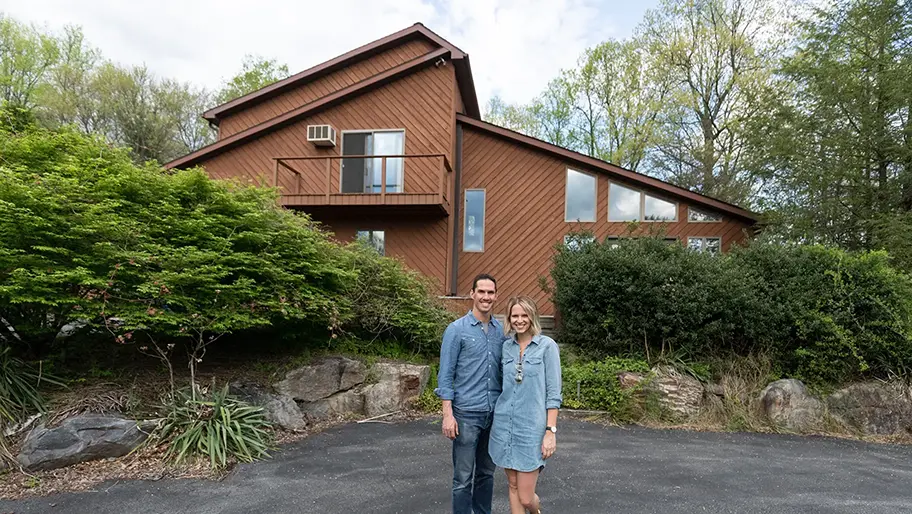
point(515, 46)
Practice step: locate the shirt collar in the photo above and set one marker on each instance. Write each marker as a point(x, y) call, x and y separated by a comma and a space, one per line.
point(474, 321)
point(535, 339)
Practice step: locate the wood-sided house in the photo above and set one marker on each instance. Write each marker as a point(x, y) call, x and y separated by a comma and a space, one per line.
point(386, 143)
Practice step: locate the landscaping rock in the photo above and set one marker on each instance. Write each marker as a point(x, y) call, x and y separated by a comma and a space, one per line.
point(875, 408)
point(676, 392)
point(339, 404)
point(279, 409)
point(322, 379)
point(788, 404)
point(397, 384)
point(629, 380)
point(79, 439)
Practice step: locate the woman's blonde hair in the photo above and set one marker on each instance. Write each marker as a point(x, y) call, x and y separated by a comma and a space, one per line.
point(528, 305)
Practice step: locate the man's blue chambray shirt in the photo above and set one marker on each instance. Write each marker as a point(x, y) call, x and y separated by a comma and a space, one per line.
point(470, 372)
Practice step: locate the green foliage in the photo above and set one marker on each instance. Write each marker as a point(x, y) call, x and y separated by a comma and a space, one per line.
point(594, 385)
point(389, 301)
point(823, 314)
point(256, 73)
point(214, 425)
point(429, 401)
point(19, 383)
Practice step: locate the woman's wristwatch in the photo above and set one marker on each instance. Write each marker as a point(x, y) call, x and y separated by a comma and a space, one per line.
point(553, 430)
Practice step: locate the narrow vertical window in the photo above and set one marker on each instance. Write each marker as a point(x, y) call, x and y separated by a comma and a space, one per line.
point(376, 239)
point(581, 197)
point(473, 229)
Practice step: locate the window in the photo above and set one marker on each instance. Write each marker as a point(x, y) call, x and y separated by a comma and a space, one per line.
point(625, 204)
point(578, 241)
point(581, 197)
point(711, 245)
point(373, 238)
point(701, 217)
point(363, 175)
point(473, 229)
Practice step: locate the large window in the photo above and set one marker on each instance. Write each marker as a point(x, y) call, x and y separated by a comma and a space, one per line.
point(364, 175)
point(473, 229)
point(711, 245)
point(626, 204)
point(581, 197)
point(376, 239)
point(575, 242)
point(699, 216)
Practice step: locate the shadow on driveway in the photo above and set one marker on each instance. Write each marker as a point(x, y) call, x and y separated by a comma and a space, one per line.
point(405, 468)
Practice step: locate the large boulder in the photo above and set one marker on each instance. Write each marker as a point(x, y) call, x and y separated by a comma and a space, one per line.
point(79, 439)
point(875, 408)
point(677, 393)
point(339, 404)
point(322, 379)
point(397, 383)
point(279, 409)
point(788, 404)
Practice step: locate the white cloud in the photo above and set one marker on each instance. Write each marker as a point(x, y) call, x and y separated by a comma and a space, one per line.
point(516, 46)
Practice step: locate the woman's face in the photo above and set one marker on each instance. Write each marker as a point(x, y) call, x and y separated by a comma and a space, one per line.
point(519, 320)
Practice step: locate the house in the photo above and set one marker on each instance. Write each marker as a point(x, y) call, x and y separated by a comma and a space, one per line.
point(386, 143)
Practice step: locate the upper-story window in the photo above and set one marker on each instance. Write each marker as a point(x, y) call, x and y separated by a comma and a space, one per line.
point(626, 204)
point(702, 216)
point(474, 227)
point(579, 203)
point(364, 174)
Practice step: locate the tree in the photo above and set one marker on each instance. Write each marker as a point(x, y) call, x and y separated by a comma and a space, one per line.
point(70, 98)
point(843, 151)
point(256, 73)
point(26, 56)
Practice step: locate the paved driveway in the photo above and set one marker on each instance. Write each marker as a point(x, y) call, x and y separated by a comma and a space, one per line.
point(403, 468)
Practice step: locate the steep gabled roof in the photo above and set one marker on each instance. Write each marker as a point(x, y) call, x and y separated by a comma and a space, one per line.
point(460, 60)
point(629, 176)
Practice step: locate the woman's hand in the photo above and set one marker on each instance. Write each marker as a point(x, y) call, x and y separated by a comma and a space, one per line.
point(549, 444)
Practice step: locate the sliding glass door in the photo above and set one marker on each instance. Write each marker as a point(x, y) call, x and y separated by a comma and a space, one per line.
point(364, 175)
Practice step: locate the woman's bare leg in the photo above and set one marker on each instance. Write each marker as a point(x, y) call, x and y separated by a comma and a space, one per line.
point(525, 482)
point(515, 506)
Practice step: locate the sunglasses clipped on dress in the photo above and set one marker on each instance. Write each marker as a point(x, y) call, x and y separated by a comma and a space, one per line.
point(519, 374)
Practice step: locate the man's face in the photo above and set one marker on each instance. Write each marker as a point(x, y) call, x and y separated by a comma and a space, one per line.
point(483, 296)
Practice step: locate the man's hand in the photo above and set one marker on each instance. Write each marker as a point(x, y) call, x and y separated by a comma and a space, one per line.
point(549, 444)
point(450, 427)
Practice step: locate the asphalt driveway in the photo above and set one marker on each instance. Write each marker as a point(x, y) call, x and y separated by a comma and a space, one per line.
point(404, 468)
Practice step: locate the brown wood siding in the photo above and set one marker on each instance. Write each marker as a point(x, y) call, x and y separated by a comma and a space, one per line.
point(420, 104)
point(323, 86)
point(524, 216)
point(419, 243)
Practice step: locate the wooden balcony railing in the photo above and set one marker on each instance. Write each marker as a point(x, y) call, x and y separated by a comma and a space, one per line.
point(318, 181)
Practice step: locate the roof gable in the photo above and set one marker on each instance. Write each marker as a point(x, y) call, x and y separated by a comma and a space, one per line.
point(459, 58)
point(629, 176)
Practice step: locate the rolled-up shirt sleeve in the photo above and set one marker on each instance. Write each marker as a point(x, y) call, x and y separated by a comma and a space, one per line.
point(449, 356)
point(553, 395)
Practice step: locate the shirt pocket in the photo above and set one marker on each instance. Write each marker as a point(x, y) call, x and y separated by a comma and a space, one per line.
point(473, 346)
point(532, 366)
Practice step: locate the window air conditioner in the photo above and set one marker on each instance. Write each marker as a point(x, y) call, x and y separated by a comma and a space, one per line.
point(321, 135)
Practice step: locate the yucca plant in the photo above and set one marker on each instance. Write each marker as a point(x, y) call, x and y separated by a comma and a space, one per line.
point(19, 384)
point(216, 425)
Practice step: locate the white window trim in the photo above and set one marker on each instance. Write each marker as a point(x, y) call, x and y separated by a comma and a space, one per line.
point(642, 213)
point(689, 208)
point(372, 131)
point(567, 194)
point(484, 218)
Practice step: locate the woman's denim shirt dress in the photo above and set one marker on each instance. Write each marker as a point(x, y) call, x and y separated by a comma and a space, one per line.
point(521, 412)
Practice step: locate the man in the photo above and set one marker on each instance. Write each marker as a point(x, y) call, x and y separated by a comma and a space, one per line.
point(469, 383)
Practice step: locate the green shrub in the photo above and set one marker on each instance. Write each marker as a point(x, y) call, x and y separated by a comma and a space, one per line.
point(213, 425)
point(429, 401)
point(19, 383)
point(594, 386)
point(824, 315)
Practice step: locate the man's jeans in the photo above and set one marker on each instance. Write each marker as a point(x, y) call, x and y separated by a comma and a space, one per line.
point(470, 453)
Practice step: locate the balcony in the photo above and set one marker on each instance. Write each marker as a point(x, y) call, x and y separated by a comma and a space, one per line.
point(365, 184)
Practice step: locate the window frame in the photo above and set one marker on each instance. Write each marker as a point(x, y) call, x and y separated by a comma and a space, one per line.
point(567, 196)
point(642, 209)
point(372, 131)
point(588, 239)
point(369, 232)
point(701, 211)
point(703, 244)
point(465, 219)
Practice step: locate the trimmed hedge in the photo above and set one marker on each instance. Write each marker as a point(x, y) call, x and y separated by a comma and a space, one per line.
point(823, 314)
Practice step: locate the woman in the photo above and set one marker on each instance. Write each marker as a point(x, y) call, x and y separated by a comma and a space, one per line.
point(524, 432)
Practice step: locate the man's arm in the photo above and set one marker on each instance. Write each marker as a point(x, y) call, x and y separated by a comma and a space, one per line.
point(449, 356)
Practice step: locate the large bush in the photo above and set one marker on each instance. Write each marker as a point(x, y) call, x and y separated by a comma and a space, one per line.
point(822, 313)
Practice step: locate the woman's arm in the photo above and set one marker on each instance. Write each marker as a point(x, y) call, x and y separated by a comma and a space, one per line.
point(553, 396)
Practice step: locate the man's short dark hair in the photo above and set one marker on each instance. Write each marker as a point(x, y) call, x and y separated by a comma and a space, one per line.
point(483, 276)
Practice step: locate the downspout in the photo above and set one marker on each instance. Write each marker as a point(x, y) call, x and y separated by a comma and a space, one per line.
point(457, 210)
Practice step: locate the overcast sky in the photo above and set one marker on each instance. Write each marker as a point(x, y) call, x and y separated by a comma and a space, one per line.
point(516, 46)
